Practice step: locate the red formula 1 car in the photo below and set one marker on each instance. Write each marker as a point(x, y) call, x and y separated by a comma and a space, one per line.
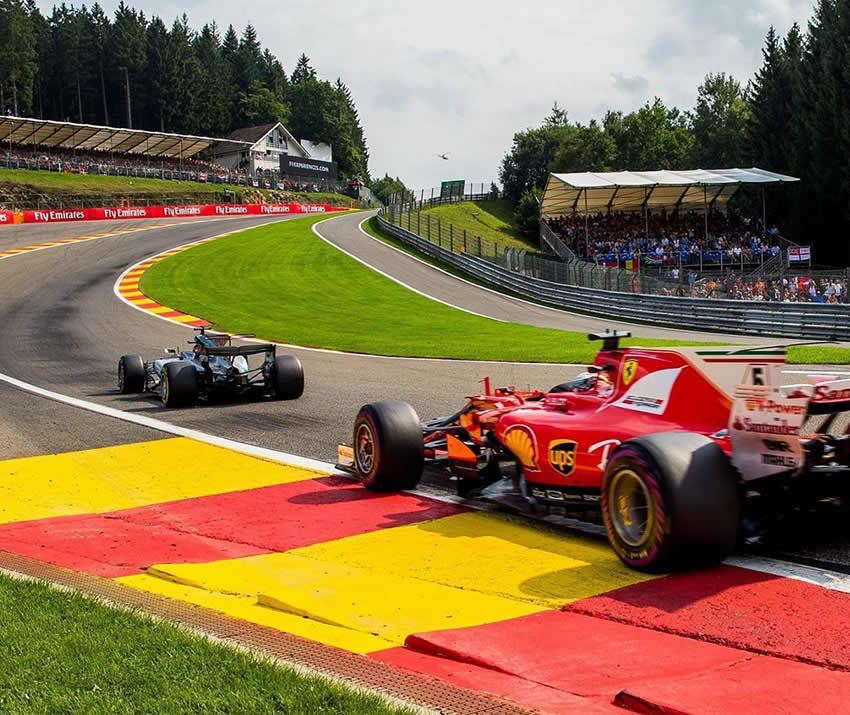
point(682, 450)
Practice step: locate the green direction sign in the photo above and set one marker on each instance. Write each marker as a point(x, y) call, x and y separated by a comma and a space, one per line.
point(450, 189)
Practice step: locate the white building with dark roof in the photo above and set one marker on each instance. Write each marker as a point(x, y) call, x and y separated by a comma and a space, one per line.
point(259, 149)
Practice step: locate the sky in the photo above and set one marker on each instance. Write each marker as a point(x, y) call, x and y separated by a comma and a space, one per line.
point(463, 76)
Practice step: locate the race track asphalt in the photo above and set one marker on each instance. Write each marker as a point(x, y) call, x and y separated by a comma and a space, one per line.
point(63, 329)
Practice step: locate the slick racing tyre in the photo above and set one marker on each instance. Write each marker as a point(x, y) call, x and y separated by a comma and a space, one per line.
point(287, 377)
point(179, 384)
point(670, 501)
point(131, 374)
point(388, 447)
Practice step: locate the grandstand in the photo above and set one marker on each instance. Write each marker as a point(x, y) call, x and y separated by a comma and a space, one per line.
point(661, 217)
point(678, 225)
point(46, 145)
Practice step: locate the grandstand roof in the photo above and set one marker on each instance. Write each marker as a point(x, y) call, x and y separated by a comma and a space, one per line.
point(632, 190)
point(86, 137)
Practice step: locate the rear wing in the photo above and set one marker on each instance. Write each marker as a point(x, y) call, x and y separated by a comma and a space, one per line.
point(233, 350)
point(825, 396)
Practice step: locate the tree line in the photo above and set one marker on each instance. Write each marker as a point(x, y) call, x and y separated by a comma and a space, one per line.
point(78, 64)
point(792, 117)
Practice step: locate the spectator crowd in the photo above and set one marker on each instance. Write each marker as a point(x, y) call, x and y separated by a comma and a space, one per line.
point(789, 289)
point(793, 289)
point(672, 239)
point(91, 162)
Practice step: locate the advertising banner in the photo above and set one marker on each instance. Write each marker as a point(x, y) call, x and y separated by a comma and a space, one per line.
point(313, 168)
point(7, 218)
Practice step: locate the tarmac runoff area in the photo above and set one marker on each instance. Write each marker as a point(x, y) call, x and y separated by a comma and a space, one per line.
point(546, 618)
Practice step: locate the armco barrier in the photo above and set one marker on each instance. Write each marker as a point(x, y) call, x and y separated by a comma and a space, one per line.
point(796, 320)
point(143, 212)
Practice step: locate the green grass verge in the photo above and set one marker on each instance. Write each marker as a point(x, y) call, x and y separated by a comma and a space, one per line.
point(283, 283)
point(64, 653)
point(121, 186)
point(492, 220)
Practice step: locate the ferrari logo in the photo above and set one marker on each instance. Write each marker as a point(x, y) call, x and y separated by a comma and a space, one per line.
point(629, 371)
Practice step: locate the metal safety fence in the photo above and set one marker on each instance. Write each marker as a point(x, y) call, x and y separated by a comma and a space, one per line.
point(530, 279)
point(415, 218)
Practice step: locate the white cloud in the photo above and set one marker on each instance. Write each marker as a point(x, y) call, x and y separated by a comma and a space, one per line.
point(462, 77)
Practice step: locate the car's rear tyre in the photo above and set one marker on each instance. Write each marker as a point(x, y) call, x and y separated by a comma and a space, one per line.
point(287, 377)
point(131, 374)
point(179, 384)
point(388, 447)
point(670, 501)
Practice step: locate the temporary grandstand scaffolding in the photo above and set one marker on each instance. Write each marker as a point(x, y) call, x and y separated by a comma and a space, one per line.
point(590, 193)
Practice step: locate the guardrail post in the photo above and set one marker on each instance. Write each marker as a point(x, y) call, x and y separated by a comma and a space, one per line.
point(464, 240)
point(429, 226)
point(439, 232)
point(451, 237)
point(419, 221)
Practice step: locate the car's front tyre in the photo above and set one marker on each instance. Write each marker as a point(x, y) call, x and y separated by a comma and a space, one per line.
point(388, 446)
point(180, 386)
point(670, 501)
point(131, 374)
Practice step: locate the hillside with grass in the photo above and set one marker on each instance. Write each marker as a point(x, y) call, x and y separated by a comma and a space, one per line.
point(23, 189)
point(493, 220)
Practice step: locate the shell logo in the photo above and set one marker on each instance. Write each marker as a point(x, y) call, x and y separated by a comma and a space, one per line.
point(522, 442)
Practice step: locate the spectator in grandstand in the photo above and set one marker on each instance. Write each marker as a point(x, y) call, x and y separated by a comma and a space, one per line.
point(614, 238)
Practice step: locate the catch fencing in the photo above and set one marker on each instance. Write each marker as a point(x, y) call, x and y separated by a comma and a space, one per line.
point(554, 267)
point(516, 274)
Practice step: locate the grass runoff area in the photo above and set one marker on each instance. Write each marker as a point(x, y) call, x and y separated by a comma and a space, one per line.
point(283, 283)
point(493, 220)
point(55, 182)
point(65, 653)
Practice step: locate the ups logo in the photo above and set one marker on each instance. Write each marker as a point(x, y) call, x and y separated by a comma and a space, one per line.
point(562, 455)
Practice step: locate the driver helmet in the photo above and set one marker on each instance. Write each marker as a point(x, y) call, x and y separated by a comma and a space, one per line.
point(584, 382)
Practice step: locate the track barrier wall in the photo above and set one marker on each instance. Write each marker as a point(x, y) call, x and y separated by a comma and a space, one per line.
point(813, 321)
point(8, 218)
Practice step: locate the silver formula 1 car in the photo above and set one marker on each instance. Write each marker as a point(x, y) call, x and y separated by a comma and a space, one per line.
point(213, 365)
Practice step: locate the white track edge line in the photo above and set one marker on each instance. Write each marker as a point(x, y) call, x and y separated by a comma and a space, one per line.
point(117, 292)
point(163, 426)
point(831, 580)
point(827, 579)
point(399, 281)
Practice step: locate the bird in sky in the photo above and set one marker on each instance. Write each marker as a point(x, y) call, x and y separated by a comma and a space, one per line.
point(444, 156)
